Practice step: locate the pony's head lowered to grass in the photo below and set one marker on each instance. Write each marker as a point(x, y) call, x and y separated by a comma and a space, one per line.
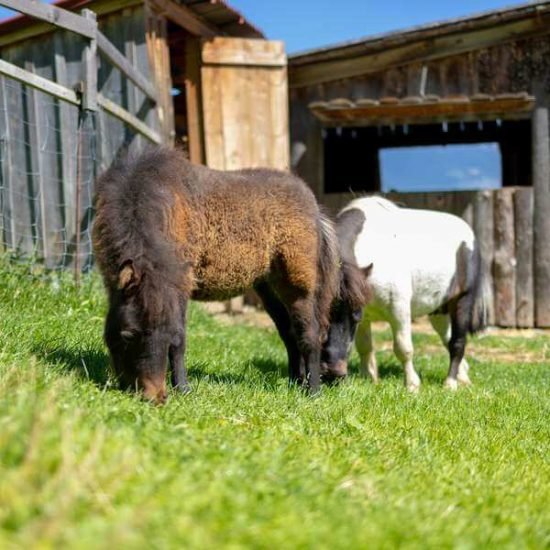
point(345, 314)
point(144, 322)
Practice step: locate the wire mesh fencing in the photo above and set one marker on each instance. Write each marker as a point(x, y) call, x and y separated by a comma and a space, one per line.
point(48, 164)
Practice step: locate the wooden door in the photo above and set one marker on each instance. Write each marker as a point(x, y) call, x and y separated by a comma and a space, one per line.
point(245, 103)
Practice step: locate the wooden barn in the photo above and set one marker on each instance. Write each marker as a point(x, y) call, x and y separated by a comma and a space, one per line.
point(81, 79)
point(481, 79)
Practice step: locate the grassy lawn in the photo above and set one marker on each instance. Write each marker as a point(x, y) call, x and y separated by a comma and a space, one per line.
point(244, 461)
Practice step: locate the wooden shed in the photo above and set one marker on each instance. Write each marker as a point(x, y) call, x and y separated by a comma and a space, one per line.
point(484, 78)
point(191, 72)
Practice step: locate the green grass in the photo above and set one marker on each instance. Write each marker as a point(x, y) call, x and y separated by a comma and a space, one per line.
point(244, 461)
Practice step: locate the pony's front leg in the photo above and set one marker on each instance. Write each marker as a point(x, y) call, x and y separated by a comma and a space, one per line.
point(305, 327)
point(176, 355)
point(403, 349)
point(365, 348)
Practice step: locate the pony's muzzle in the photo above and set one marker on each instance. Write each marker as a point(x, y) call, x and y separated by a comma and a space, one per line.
point(334, 372)
point(154, 390)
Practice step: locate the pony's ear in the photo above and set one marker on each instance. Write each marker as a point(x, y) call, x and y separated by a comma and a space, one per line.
point(128, 276)
point(367, 270)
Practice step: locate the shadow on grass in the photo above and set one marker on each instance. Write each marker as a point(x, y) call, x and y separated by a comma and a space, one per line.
point(88, 364)
point(258, 372)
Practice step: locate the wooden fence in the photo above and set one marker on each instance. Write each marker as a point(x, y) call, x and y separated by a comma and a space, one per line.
point(503, 223)
point(50, 126)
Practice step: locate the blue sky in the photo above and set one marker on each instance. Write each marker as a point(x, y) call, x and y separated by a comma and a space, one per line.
point(306, 24)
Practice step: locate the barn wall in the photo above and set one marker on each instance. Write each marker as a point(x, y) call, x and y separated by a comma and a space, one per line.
point(512, 224)
point(42, 147)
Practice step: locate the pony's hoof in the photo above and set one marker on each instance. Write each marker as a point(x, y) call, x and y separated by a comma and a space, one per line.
point(464, 381)
point(451, 384)
point(183, 390)
point(413, 388)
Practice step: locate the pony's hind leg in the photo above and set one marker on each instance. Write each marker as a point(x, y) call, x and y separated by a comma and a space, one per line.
point(457, 342)
point(403, 348)
point(279, 314)
point(365, 348)
point(442, 325)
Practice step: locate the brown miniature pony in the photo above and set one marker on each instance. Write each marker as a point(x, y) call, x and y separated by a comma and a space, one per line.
point(167, 231)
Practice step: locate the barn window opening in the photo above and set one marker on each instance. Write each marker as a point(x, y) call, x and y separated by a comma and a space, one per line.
point(443, 156)
point(441, 168)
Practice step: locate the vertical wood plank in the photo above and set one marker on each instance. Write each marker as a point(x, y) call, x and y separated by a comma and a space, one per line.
point(89, 67)
point(36, 167)
point(67, 122)
point(8, 219)
point(193, 100)
point(213, 123)
point(505, 261)
point(158, 54)
point(278, 105)
point(484, 231)
point(24, 229)
point(541, 186)
point(523, 215)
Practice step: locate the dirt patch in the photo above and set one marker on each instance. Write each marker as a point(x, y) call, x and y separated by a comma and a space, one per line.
point(252, 316)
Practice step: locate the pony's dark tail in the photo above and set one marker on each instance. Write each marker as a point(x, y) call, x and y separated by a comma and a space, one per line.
point(328, 281)
point(479, 290)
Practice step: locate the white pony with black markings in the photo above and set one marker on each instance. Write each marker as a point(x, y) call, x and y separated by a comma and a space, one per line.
point(418, 262)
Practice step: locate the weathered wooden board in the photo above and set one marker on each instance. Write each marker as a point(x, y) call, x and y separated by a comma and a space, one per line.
point(505, 259)
point(242, 52)
point(424, 49)
point(484, 231)
point(523, 215)
point(245, 110)
point(541, 185)
point(158, 55)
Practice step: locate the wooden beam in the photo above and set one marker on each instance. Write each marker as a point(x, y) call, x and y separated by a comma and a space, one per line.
point(541, 185)
point(412, 112)
point(193, 98)
point(128, 118)
point(109, 51)
point(89, 66)
point(376, 57)
point(244, 52)
point(36, 27)
point(55, 16)
point(185, 18)
point(39, 83)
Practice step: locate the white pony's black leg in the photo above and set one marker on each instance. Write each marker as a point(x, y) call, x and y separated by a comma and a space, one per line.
point(442, 325)
point(457, 343)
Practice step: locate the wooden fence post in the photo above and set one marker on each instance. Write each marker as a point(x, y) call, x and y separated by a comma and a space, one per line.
point(505, 260)
point(541, 185)
point(88, 105)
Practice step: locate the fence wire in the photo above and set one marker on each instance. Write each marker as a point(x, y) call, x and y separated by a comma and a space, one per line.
point(48, 164)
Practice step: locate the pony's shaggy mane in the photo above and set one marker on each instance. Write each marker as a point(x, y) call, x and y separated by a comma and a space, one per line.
point(132, 210)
